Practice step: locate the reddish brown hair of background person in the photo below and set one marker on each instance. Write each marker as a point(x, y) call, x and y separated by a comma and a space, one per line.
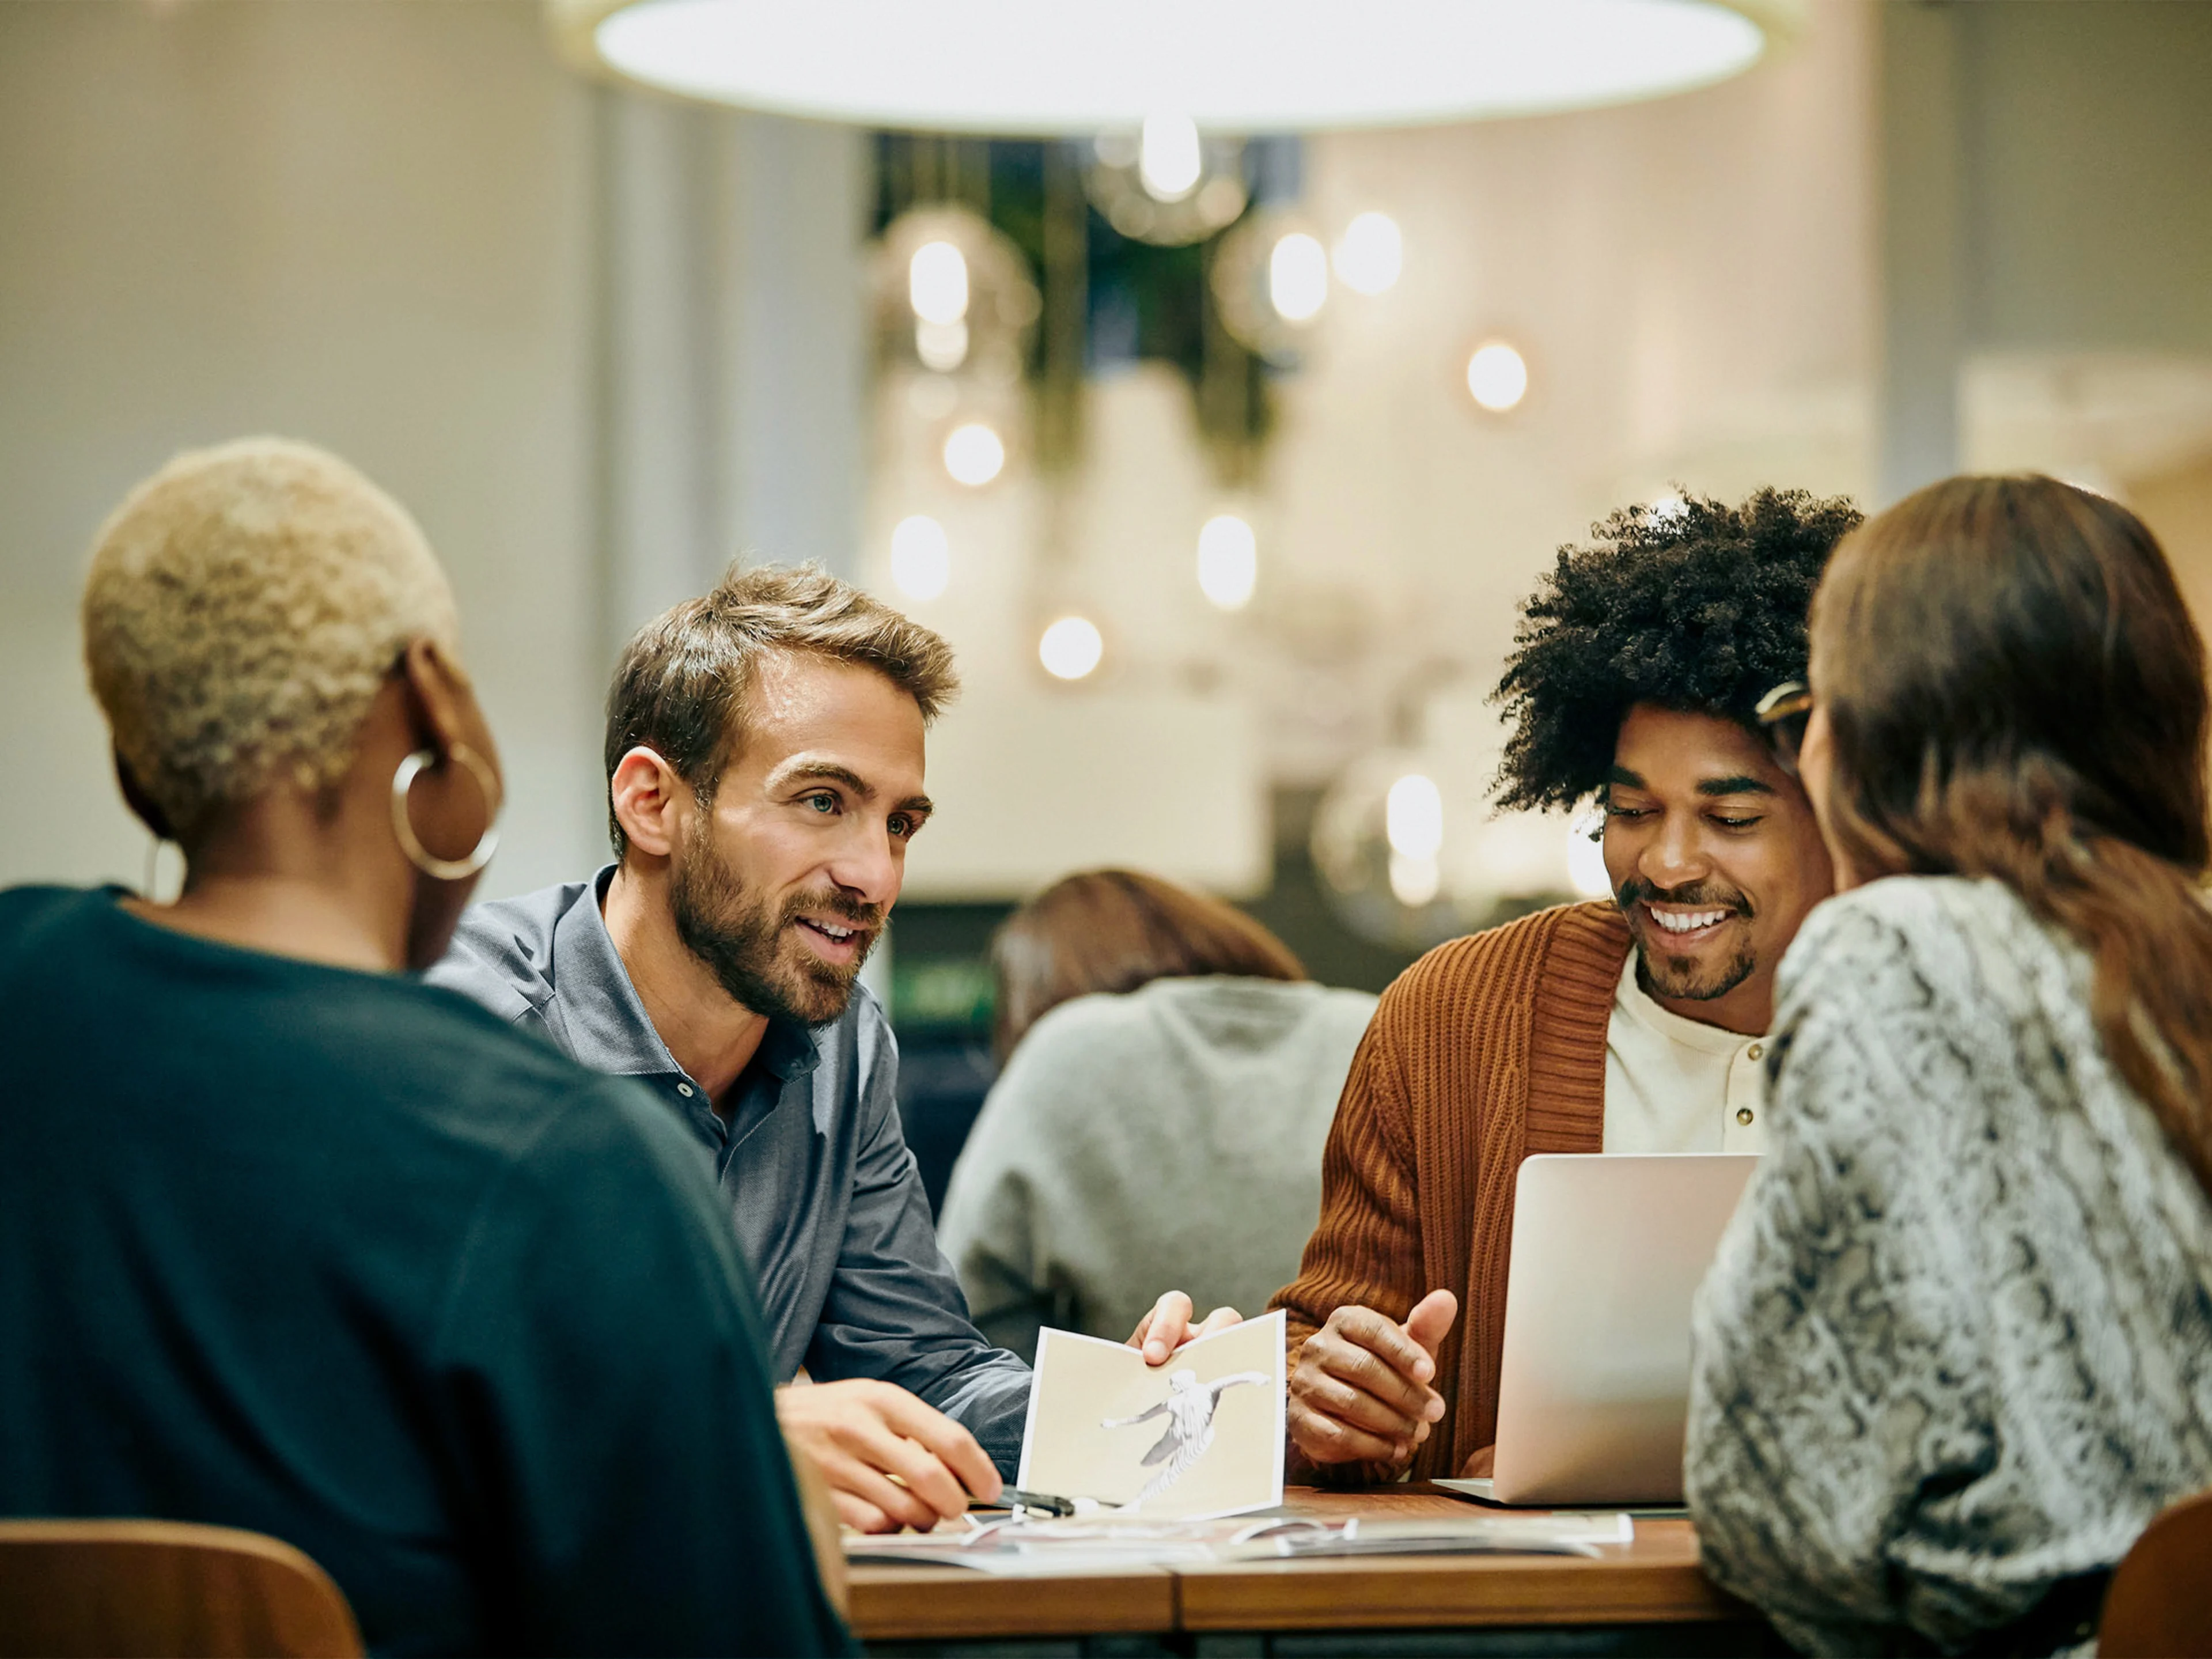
point(2013, 689)
point(1115, 930)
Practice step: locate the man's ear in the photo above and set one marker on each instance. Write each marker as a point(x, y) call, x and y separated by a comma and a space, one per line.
point(146, 810)
point(650, 802)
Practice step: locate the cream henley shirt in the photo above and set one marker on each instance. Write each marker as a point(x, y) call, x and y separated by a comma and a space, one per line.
point(1675, 1085)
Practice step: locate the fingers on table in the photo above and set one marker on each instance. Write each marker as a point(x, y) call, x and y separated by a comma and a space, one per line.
point(861, 1514)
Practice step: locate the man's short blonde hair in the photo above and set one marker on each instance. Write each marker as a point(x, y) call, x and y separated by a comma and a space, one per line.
point(244, 606)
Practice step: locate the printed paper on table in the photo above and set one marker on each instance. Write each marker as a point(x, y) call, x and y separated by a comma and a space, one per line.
point(1201, 1435)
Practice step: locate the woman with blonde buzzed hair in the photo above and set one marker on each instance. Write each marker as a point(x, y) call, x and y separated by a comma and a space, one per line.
point(292, 1242)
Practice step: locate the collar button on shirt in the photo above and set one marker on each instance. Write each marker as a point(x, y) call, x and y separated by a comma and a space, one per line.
point(1676, 1086)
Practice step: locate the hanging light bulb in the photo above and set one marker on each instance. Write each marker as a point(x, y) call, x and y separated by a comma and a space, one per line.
point(1496, 377)
point(937, 284)
point(1370, 254)
point(1228, 560)
point(921, 557)
point(1070, 647)
point(974, 454)
point(1169, 157)
point(1298, 277)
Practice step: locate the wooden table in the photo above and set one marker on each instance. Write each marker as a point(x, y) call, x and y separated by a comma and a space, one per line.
point(1647, 1596)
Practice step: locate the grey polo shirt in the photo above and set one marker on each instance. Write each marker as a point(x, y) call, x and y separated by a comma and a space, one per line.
point(828, 1203)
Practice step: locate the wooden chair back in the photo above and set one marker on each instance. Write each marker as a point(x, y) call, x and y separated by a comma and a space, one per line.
point(133, 1587)
point(2160, 1603)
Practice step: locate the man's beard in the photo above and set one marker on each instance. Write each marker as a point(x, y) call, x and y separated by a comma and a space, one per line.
point(1687, 979)
point(744, 942)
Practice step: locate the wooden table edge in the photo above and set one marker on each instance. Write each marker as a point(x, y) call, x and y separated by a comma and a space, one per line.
point(909, 1604)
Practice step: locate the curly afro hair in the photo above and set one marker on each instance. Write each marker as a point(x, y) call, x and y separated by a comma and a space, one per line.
point(1698, 607)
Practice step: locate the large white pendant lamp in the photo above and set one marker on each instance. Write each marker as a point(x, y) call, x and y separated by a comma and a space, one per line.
point(1040, 68)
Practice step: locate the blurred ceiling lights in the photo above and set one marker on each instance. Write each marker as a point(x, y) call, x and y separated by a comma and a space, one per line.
point(1496, 377)
point(1070, 647)
point(1370, 254)
point(1298, 277)
point(1228, 560)
point(957, 294)
point(921, 557)
point(1167, 185)
point(1020, 68)
point(974, 454)
point(1169, 157)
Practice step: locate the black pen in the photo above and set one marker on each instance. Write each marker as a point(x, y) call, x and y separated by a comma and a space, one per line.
point(1014, 1497)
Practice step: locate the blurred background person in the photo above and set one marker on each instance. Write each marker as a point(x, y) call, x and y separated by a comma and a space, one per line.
point(1169, 1074)
point(1956, 1351)
point(291, 1242)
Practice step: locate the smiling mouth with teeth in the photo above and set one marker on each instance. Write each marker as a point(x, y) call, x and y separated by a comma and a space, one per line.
point(829, 929)
point(1687, 923)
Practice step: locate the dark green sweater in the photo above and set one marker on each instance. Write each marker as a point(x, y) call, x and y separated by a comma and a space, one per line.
point(341, 1258)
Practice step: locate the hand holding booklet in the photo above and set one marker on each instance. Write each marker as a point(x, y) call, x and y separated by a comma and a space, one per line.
point(1199, 1437)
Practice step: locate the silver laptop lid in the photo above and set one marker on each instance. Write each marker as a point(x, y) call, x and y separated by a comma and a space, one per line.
point(1608, 1251)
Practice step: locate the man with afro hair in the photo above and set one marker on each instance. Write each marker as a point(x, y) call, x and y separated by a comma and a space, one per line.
point(1629, 1025)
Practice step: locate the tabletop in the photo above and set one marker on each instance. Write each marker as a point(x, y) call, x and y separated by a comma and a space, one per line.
point(1654, 1579)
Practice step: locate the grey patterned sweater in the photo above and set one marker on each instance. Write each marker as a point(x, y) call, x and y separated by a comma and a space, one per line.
point(1957, 1346)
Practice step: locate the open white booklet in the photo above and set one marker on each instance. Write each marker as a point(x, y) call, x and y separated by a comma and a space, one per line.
point(1110, 1542)
point(1199, 1437)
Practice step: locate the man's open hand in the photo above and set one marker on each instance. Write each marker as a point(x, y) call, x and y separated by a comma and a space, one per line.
point(1167, 1327)
point(861, 1433)
point(1361, 1390)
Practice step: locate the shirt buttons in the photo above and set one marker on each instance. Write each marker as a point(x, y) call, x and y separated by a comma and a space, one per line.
point(684, 1089)
point(1743, 1115)
point(1754, 1051)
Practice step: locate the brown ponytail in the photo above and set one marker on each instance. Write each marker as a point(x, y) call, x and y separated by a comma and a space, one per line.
point(2013, 689)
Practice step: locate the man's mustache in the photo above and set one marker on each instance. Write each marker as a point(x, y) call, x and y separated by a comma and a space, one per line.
point(870, 916)
point(1708, 895)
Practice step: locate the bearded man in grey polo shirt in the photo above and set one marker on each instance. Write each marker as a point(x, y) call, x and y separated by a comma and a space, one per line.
point(764, 758)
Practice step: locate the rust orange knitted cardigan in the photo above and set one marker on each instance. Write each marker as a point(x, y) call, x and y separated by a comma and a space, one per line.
point(1486, 1050)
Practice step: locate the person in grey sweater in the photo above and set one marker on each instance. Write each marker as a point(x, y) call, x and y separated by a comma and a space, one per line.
point(1169, 1077)
point(1956, 1350)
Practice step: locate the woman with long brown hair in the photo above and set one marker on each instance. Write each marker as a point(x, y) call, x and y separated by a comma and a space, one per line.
point(1169, 1074)
point(1956, 1349)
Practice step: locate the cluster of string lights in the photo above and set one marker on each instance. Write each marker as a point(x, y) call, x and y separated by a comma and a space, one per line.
point(1366, 257)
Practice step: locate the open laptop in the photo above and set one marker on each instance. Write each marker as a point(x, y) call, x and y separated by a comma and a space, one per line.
point(1593, 1391)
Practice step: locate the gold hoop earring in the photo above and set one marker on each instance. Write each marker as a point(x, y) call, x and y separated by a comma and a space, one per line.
point(421, 856)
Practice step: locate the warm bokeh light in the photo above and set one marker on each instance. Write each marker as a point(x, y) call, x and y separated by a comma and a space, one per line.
point(937, 282)
point(1586, 859)
point(1496, 377)
point(1169, 157)
point(974, 454)
point(1413, 817)
point(941, 346)
point(921, 557)
point(1298, 277)
point(1370, 254)
point(1228, 560)
point(1070, 647)
point(1414, 881)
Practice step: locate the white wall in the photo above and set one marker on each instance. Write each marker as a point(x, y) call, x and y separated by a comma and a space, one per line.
point(366, 226)
point(599, 343)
